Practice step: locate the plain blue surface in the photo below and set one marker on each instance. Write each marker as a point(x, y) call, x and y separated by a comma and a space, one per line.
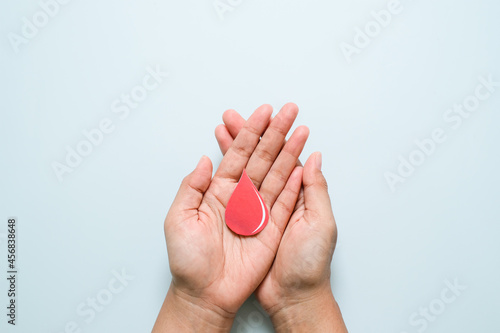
point(397, 251)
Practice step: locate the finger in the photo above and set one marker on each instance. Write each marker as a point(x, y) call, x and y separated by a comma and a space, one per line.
point(224, 138)
point(239, 153)
point(269, 147)
point(277, 176)
point(193, 187)
point(225, 133)
point(316, 198)
point(285, 204)
point(233, 121)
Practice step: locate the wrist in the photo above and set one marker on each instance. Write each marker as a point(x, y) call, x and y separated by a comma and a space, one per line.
point(182, 312)
point(311, 311)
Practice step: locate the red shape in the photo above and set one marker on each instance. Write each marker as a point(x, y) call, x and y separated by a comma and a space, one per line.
point(246, 212)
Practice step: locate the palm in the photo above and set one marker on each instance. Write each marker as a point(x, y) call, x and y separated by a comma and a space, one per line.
point(241, 261)
point(227, 267)
point(307, 244)
point(288, 259)
point(299, 258)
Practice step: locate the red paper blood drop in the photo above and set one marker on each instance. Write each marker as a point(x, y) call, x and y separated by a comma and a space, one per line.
point(246, 212)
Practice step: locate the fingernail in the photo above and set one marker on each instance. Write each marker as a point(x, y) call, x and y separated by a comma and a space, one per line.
point(319, 161)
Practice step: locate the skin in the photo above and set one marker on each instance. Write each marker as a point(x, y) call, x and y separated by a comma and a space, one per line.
point(297, 292)
point(214, 270)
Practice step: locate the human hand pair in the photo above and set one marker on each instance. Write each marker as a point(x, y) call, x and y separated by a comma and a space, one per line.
point(215, 270)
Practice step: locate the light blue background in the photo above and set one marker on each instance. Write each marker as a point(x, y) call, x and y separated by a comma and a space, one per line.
point(395, 250)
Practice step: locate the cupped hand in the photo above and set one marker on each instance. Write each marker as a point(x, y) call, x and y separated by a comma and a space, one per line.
point(300, 274)
point(212, 266)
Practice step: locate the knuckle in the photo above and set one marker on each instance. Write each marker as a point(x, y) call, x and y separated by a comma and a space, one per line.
point(293, 191)
point(279, 174)
point(243, 151)
point(322, 182)
point(287, 209)
point(281, 130)
point(253, 130)
point(264, 154)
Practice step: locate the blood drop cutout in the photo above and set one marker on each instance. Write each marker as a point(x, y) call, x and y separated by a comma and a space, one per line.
point(246, 212)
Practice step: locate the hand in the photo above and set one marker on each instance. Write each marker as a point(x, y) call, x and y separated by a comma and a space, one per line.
point(296, 292)
point(213, 269)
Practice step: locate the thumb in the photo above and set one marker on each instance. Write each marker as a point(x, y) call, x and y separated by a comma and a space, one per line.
point(194, 186)
point(316, 198)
